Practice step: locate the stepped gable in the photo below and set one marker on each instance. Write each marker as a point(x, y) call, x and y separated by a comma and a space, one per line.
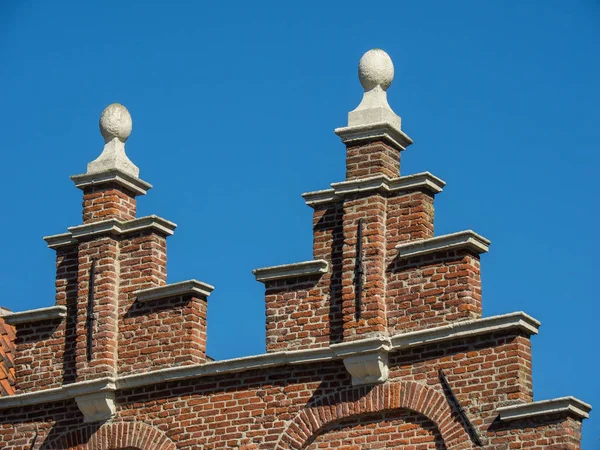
point(379, 341)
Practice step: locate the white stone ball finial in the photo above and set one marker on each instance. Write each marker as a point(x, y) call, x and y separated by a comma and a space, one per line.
point(375, 68)
point(115, 122)
point(376, 72)
point(115, 126)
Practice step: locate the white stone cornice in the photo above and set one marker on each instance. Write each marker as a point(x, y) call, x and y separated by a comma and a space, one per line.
point(361, 346)
point(461, 240)
point(194, 287)
point(562, 405)
point(324, 196)
point(35, 315)
point(370, 346)
point(468, 328)
point(134, 184)
point(120, 227)
point(301, 269)
point(384, 131)
point(65, 392)
point(423, 181)
point(108, 227)
point(60, 240)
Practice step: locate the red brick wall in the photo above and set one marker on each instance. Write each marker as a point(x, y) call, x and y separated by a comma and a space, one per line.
point(396, 429)
point(39, 355)
point(311, 405)
point(368, 318)
point(105, 251)
point(409, 217)
point(142, 263)
point(433, 290)
point(375, 158)
point(162, 333)
point(108, 201)
point(297, 314)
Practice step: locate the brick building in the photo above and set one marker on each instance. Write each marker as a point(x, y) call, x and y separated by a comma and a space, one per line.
point(378, 342)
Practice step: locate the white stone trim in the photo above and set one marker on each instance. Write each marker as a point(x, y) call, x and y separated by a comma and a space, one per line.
point(405, 183)
point(374, 345)
point(369, 368)
point(467, 239)
point(35, 315)
point(64, 392)
point(173, 290)
point(301, 269)
point(59, 240)
point(96, 407)
point(375, 131)
point(316, 198)
point(134, 184)
point(4, 311)
point(569, 405)
point(110, 226)
point(468, 328)
point(423, 180)
point(361, 346)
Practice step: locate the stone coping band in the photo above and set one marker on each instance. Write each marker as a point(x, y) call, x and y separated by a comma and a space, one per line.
point(562, 405)
point(194, 287)
point(134, 184)
point(385, 131)
point(110, 226)
point(35, 315)
point(477, 327)
point(65, 392)
point(301, 269)
point(467, 239)
point(423, 180)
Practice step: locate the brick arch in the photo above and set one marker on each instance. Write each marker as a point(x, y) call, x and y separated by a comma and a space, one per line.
point(113, 436)
point(431, 403)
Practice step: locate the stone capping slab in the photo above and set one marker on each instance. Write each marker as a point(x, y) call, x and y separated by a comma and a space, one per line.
point(35, 315)
point(423, 180)
point(134, 184)
point(301, 269)
point(374, 131)
point(375, 345)
point(370, 345)
point(173, 290)
point(110, 226)
point(467, 239)
point(562, 405)
point(468, 328)
point(65, 392)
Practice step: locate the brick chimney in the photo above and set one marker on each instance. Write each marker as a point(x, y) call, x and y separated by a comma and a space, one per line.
point(377, 267)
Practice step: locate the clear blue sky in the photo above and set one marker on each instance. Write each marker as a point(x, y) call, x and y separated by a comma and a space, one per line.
point(234, 106)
